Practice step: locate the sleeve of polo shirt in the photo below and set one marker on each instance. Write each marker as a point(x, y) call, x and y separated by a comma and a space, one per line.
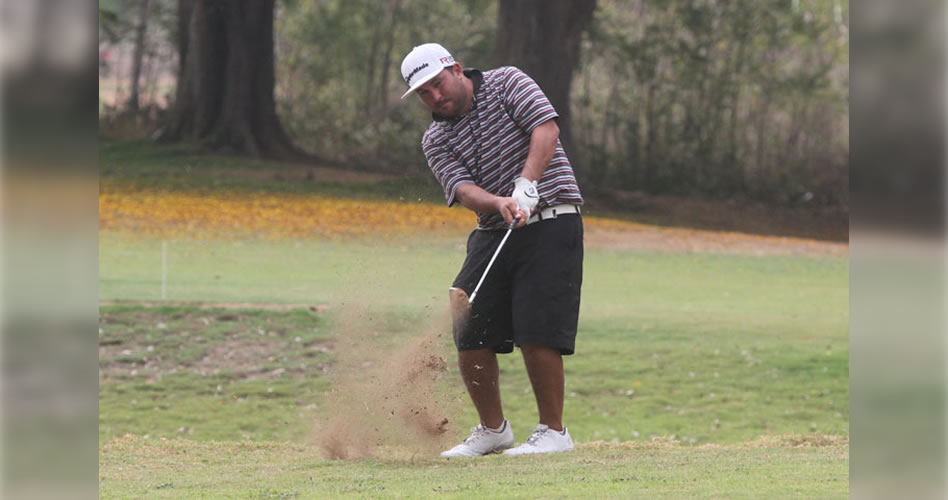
point(446, 168)
point(525, 101)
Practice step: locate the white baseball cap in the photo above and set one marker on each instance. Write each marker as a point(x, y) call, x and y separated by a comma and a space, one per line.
point(423, 63)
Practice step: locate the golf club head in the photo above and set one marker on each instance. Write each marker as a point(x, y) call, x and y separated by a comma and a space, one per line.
point(460, 310)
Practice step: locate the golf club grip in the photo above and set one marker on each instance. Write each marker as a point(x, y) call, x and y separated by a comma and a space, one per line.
point(493, 258)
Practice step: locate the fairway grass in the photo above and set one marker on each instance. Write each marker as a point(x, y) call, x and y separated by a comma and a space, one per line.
point(783, 467)
point(715, 357)
point(708, 348)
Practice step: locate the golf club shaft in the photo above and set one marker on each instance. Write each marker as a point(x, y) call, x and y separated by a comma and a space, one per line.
point(492, 259)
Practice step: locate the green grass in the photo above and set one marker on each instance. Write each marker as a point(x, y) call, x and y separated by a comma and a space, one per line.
point(214, 374)
point(691, 369)
point(305, 271)
point(133, 467)
point(710, 349)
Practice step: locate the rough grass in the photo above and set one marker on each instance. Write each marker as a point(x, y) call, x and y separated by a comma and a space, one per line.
point(780, 467)
point(696, 349)
point(262, 375)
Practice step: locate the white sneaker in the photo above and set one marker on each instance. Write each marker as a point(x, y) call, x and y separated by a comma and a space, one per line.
point(483, 441)
point(544, 440)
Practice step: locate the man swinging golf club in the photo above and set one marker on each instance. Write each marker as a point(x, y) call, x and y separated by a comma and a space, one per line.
point(494, 146)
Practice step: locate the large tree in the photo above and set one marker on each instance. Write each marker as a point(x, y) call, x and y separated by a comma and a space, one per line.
point(226, 78)
point(542, 37)
point(139, 55)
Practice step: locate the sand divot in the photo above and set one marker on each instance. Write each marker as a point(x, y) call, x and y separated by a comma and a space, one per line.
point(385, 394)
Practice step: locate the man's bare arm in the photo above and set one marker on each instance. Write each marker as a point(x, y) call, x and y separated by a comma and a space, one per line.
point(542, 146)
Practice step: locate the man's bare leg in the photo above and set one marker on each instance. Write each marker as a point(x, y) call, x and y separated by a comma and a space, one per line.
point(480, 373)
point(545, 368)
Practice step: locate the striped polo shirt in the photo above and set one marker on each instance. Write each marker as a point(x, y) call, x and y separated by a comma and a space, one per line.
point(488, 145)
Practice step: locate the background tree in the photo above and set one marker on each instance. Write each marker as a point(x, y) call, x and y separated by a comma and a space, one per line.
point(139, 55)
point(741, 99)
point(542, 38)
point(338, 77)
point(224, 97)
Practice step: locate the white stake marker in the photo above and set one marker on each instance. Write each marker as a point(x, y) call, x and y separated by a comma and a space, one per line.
point(164, 269)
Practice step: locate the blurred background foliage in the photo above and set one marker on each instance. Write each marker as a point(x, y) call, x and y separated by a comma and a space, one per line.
point(715, 99)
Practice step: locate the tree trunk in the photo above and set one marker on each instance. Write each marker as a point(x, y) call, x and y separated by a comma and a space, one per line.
point(226, 79)
point(372, 63)
point(649, 165)
point(542, 37)
point(394, 5)
point(182, 94)
point(138, 56)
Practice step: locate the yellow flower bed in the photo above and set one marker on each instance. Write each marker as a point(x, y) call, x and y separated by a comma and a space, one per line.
point(267, 215)
point(236, 214)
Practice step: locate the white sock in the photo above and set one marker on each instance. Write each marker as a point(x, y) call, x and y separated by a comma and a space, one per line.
point(499, 428)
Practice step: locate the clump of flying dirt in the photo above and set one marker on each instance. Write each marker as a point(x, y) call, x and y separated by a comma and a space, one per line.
point(384, 391)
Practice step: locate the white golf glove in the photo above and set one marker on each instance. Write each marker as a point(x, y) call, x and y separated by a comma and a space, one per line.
point(525, 192)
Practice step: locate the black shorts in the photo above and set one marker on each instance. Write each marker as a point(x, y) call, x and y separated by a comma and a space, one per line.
point(531, 294)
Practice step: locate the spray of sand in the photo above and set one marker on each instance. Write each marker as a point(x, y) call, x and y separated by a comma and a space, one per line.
point(386, 393)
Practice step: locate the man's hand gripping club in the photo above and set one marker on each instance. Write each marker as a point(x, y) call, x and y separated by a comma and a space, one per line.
point(511, 212)
point(525, 193)
point(521, 204)
point(474, 198)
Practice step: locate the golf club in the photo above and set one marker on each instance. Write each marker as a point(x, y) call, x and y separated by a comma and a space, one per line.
point(492, 259)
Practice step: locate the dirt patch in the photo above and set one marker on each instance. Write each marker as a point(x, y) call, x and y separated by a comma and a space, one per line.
point(246, 357)
point(153, 344)
point(386, 397)
point(318, 308)
point(801, 220)
point(629, 236)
